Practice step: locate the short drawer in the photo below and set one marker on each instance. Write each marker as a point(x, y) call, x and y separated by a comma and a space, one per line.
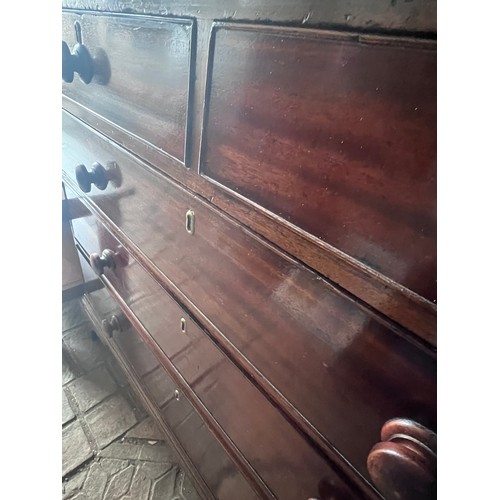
point(335, 134)
point(275, 452)
point(207, 455)
point(141, 75)
point(341, 366)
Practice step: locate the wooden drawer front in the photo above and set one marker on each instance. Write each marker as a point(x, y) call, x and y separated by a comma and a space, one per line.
point(147, 92)
point(341, 366)
point(205, 452)
point(279, 455)
point(336, 136)
point(187, 425)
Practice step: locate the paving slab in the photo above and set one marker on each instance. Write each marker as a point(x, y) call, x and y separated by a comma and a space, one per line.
point(187, 490)
point(96, 480)
point(67, 412)
point(110, 419)
point(154, 470)
point(113, 465)
point(92, 388)
point(69, 370)
point(120, 483)
point(166, 486)
point(72, 314)
point(147, 429)
point(157, 452)
point(82, 496)
point(75, 447)
point(140, 486)
point(123, 451)
point(85, 347)
point(73, 484)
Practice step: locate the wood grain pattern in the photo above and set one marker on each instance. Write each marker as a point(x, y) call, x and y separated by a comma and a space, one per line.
point(335, 136)
point(270, 444)
point(396, 302)
point(149, 101)
point(220, 474)
point(274, 380)
point(309, 346)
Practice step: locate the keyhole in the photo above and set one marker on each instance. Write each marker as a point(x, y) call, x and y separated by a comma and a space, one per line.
point(183, 325)
point(177, 395)
point(78, 32)
point(190, 222)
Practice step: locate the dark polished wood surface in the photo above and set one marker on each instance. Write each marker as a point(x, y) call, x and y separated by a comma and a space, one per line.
point(149, 101)
point(398, 303)
point(404, 463)
point(274, 303)
point(305, 342)
point(207, 455)
point(334, 135)
point(375, 15)
point(273, 448)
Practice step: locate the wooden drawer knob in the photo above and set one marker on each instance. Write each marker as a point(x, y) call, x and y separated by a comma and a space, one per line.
point(97, 176)
point(76, 61)
point(403, 465)
point(112, 325)
point(100, 262)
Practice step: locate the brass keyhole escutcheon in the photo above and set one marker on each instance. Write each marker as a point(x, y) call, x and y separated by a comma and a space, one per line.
point(190, 222)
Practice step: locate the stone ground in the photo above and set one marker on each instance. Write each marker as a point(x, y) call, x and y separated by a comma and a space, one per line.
point(111, 449)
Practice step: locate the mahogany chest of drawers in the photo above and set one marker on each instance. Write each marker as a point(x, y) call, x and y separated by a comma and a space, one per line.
point(252, 193)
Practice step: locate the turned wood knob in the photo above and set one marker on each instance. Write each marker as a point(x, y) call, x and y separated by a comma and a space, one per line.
point(97, 176)
point(99, 262)
point(78, 61)
point(111, 325)
point(403, 465)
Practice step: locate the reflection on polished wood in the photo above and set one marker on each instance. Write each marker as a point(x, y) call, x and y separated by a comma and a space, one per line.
point(158, 90)
point(273, 304)
point(315, 346)
point(391, 299)
point(284, 460)
point(333, 135)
